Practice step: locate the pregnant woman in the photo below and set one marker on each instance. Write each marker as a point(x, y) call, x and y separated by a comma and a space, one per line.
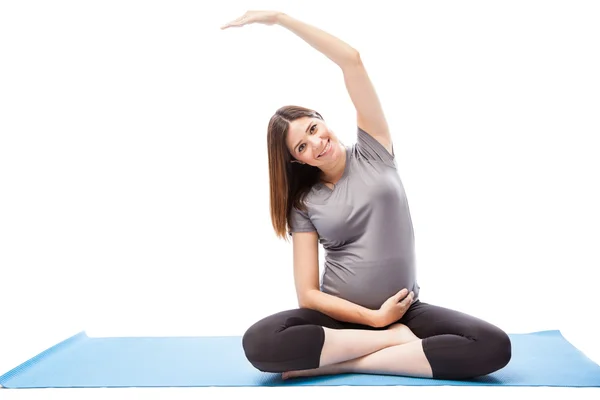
point(366, 315)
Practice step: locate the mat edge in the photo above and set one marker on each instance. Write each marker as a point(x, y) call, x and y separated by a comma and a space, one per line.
point(4, 378)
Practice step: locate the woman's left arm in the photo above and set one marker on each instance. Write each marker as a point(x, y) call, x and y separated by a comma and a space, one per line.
point(369, 112)
point(332, 47)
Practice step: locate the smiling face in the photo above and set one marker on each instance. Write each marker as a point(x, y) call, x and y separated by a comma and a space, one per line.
point(311, 142)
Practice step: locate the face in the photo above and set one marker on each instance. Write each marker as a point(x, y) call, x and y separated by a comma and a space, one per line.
point(311, 142)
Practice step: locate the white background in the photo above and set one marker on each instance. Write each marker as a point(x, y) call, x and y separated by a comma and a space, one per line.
point(133, 164)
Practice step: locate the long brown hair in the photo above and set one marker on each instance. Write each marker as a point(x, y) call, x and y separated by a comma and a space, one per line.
point(289, 182)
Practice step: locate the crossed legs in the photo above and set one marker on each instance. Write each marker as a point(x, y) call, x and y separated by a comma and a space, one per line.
point(429, 341)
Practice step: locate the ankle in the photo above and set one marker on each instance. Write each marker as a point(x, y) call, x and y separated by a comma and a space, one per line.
point(400, 334)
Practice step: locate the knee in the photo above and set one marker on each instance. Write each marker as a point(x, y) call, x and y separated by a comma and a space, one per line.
point(498, 350)
point(266, 344)
point(255, 343)
point(283, 342)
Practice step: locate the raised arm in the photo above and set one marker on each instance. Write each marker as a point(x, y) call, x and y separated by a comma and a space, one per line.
point(369, 113)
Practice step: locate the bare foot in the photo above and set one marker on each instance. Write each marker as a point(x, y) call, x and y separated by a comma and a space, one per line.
point(402, 334)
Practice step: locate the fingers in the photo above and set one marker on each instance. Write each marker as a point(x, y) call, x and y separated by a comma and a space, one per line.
point(236, 22)
point(408, 299)
point(401, 294)
point(232, 24)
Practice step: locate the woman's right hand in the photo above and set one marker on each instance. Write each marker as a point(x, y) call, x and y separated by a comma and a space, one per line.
point(393, 309)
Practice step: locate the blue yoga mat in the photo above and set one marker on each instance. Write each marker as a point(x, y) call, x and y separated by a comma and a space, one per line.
point(539, 359)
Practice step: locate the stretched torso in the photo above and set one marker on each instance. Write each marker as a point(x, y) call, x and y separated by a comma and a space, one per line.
point(365, 227)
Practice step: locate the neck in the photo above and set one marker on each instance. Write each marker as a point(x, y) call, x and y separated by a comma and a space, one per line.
point(332, 173)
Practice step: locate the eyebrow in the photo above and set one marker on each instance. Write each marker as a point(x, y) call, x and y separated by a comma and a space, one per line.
point(307, 128)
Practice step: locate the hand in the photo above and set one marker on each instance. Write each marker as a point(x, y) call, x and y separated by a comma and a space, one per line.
point(393, 308)
point(250, 17)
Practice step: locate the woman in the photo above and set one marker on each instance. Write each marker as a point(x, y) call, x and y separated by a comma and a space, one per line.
point(366, 317)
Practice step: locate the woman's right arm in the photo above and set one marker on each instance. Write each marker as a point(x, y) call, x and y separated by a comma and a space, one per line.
point(306, 279)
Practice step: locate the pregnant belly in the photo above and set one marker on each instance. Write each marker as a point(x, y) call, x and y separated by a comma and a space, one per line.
point(369, 284)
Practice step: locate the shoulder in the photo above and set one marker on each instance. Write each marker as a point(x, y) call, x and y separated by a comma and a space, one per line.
point(370, 149)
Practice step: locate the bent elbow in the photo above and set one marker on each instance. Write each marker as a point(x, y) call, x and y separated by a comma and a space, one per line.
point(352, 60)
point(306, 299)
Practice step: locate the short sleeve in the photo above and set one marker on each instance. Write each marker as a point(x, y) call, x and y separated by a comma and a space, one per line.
point(300, 222)
point(369, 148)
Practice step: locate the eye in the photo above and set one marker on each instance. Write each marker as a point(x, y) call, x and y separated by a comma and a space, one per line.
point(301, 147)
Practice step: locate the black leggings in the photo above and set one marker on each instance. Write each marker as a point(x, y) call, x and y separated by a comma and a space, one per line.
point(457, 345)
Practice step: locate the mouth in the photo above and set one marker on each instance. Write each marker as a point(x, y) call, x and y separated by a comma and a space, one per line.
point(326, 150)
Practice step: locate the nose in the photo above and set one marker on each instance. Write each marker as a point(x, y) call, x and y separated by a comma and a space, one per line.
point(315, 141)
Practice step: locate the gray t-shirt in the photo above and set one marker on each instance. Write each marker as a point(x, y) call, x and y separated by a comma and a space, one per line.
point(365, 227)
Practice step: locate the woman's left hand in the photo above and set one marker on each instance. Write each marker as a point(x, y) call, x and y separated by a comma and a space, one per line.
point(251, 17)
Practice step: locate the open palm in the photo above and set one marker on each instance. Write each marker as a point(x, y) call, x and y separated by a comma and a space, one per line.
point(251, 17)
